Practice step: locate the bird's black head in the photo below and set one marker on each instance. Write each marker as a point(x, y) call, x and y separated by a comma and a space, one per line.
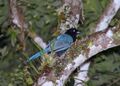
point(73, 32)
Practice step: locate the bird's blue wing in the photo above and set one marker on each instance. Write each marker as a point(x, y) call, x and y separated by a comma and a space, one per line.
point(61, 43)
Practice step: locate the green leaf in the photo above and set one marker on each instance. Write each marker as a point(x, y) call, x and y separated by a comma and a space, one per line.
point(29, 80)
point(4, 51)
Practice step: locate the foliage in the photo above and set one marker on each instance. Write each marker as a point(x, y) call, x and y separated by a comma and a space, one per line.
point(42, 18)
point(92, 11)
point(105, 69)
point(41, 15)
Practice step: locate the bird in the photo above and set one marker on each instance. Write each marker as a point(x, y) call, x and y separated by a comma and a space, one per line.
point(59, 44)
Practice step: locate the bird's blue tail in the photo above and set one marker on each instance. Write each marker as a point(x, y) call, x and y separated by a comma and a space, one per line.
point(36, 55)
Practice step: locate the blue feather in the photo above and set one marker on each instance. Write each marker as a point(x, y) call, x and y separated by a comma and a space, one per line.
point(36, 55)
point(58, 45)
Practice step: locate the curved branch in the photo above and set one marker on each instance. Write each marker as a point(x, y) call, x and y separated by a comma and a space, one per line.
point(91, 45)
point(103, 23)
point(100, 41)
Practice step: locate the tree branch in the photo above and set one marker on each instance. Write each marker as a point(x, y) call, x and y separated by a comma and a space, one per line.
point(87, 48)
point(100, 41)
point(40, 42)
point(108, 15)
point(70, 14)
point(17, 18)
point(100, 46)
point(103, 23)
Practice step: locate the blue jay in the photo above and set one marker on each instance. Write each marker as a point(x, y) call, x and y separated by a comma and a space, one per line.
point(58, 45)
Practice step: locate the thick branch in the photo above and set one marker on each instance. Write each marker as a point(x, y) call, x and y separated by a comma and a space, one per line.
point(100, 41)
point(70, 14)
point(82, 75)
point(85, 53)
point(88, 47)
point(108, 15)
point(103, 23)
